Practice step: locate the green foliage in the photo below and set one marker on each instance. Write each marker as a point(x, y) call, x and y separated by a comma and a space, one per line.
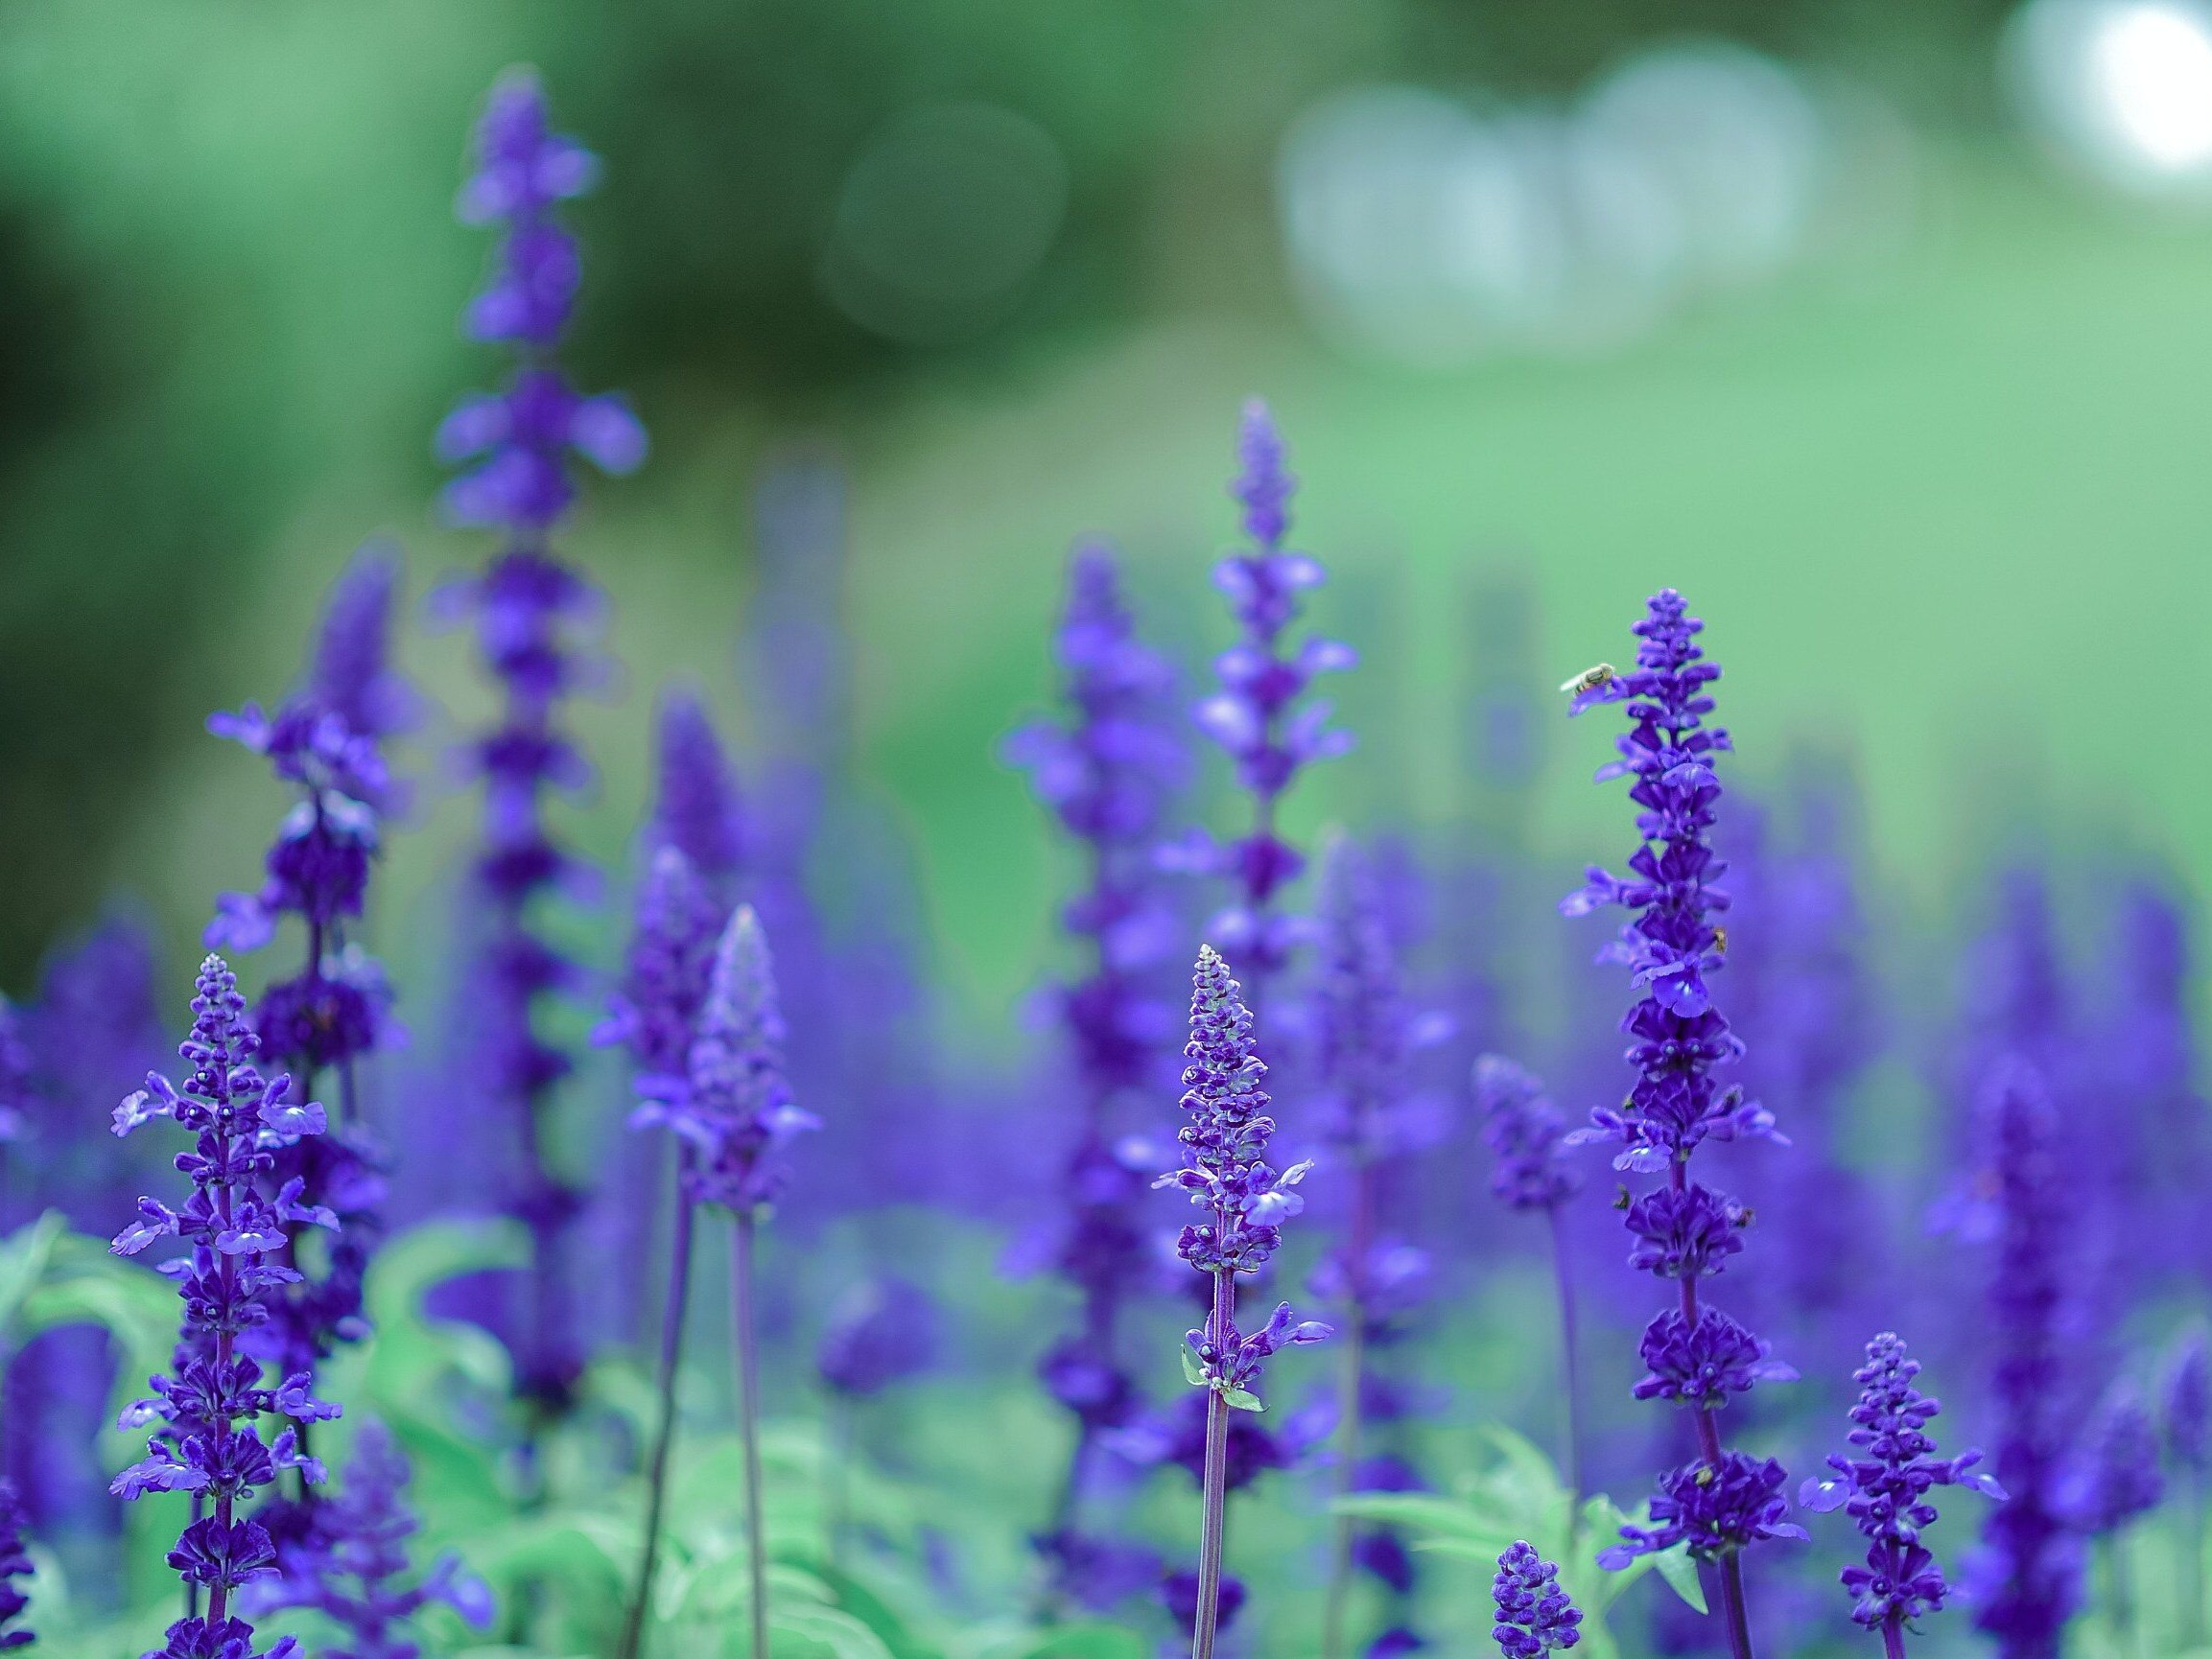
point(1519, 1496)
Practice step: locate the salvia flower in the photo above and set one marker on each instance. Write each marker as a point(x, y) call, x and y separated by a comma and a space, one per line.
point(359, 1566)
point(698, 811)
point(733, 1108)
point(531, 616)
point(2028, 1581)
point(1716, 1508)
point(1885, 1485)
point(1225, 1169)
point(1535, 1616)
point(237, 1241)
point(883, 1332)
point(14, 1564)
point(1672, 946)
point(2122, 1478)
point(1256, 716)
point(654, 1013)
point(1525, 1132)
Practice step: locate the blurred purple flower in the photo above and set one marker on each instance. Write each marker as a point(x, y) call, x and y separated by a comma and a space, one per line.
point(883, 1332)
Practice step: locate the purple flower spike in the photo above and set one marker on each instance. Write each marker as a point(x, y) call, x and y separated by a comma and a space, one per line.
point(655, 1012)
point(1535, 1616)
point(238, 1245)
point(1884, 1490)
point(351, 1564)
point(1225, 1139)
point(1255, 717)
point(1105, 769)
point(884, 1332)
point(533, 618)
point(2122, 1480)
point(1673, 947)
point(698, 811)
point(2029, 1582)
point(352, 675)
point(733, 1110)
point(1526, 1133)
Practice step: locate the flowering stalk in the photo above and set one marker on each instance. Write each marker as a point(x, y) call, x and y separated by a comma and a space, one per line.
point(1697, 1355)
point(1526, 1133)
point(1884, 1490)
point(1253, 715)
point(2034, 1569)
point(324, 742)
point(365, 1533)
point(1366, 1034)
point(528, 609)
point(210, 1403)
point(1225, 1171)
point(696, 839)
point(1106, 775)
point(1535, 1616)
point(733, 1109)
point(2189, 1437)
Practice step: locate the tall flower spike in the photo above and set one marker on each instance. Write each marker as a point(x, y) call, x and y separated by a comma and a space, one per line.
point(2029, 1583)
point(361, 1537)
point(698, 811)
point(352, 675)
point(1226, 1172)
point(1884, 1490)
point(238, 1241)
point(1105, 770)
point(1366, 1035)
point(532, 615)
point(1535, 1616)
point(1255, 717)
point(1696, 1355)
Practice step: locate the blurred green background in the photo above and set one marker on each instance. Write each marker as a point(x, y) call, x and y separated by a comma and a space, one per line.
point(1926, 437)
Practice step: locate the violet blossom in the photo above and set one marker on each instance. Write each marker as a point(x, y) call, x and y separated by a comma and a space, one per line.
point(207, 1408)
point(1535, 1616)
point(1722, 1502)
point(1884, 1488)
point(1256, 716)
point(1105, 773)
point(530, 611)
point(1225, 1171)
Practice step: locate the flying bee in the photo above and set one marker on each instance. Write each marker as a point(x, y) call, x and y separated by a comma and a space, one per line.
point(1721, 940)
point(1589, 679)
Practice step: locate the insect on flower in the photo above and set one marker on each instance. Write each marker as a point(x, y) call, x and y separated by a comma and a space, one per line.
point(1589, 679)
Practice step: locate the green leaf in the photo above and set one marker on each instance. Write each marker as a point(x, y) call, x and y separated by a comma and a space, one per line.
point(1243, 1400)
point(1085, 1641)
point(1193, 1373)
point(24, 1259)
point(1427, 1511)
point(1681, 1574)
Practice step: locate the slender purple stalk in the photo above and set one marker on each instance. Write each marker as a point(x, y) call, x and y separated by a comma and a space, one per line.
point(209, 1442)
point(733, 1110)
point(1885, 1487)
point(1366, 1035)
point(1225, 1171)
point(1526, 1135)
point(1106, 774)
point(1697, 1355)
point(530, 612)
point(1255, 717)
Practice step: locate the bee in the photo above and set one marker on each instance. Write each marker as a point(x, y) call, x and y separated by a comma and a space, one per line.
point(1589, 679)
point(1721, 940)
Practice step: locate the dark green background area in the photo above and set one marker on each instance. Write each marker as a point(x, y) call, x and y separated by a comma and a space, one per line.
point(1945, 506)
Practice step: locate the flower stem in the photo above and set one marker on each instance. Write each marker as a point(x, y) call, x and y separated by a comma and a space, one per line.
point(1359, 1246)
point(1570, 1373)
point(672, 1312)
point(1733, 1609)
point(1893, 1638)
point(747, 1349)
point(1215, 1499)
